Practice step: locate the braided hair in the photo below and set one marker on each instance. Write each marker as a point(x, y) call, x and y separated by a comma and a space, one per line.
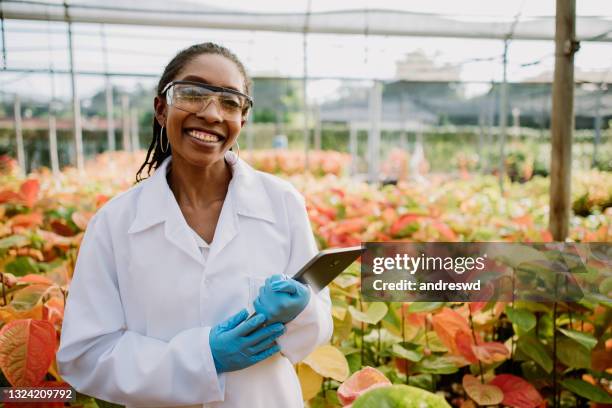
point(155, 156)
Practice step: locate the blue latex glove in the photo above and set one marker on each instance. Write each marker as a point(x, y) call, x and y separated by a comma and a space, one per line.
point(281, 300)
point(236, 344)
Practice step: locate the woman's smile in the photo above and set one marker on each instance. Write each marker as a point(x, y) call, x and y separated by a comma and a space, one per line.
point(204, 137)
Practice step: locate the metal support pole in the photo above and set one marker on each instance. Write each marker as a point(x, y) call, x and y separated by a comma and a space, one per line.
point(110, 117)
point(134, 130)
point(125, 116)
point(306, 130)
point(503, 116)
point(597, 125)
point(3, 36)
point(19, 136)
point(562, 120)
point(76, 104)
point(516, 122)
point(374, 136)
point(353, 148)
point(53, 143)
point(491, 108)
point(317, 129)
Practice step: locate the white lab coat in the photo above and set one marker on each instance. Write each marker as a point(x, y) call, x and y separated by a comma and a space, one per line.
point(143, 298)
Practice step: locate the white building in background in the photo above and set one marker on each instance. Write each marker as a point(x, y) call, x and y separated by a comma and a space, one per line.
point(416, 66)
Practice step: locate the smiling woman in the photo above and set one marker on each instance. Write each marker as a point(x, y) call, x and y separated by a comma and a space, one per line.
point(167, 271)
point(201, 64)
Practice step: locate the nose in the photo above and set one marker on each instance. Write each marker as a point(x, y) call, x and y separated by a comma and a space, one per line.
point(211, 111)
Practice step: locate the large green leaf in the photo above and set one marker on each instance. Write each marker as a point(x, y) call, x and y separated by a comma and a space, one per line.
point(400, 396)
point(407, 351)
point(436, 365)
point(531, 347)
point(572, 354)
point(375, 313)
point(523, 318)
point(585, 339)
point(586, 390)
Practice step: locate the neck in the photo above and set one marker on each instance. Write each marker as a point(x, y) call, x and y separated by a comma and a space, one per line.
point(196, 186)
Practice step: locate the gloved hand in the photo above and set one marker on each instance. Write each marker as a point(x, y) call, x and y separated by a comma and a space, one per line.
point(281, 300)
point(236, 344)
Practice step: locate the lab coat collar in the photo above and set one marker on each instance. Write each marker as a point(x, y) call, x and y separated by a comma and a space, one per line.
point(157, 203)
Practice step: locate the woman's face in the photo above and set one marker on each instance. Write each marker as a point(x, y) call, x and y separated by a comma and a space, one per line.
point(184, 128)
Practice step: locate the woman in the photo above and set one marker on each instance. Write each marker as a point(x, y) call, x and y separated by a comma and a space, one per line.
point(157, 311)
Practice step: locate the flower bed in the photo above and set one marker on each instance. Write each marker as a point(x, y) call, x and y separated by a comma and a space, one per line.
point(470, 354)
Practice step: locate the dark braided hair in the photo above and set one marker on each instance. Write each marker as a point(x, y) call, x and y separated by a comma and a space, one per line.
point(155, 156)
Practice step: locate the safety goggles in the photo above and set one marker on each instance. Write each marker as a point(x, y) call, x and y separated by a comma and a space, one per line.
point(193, 97)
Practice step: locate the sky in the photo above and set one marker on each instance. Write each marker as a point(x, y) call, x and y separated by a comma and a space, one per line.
point(36, 44)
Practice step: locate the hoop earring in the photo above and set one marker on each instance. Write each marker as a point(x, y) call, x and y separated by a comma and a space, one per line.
point(161, 143)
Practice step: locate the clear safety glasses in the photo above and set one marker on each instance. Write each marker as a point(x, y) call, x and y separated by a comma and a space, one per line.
point(193, 97)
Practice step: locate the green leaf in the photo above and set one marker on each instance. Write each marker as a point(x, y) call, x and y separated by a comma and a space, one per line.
point(424, 381)
point(524, 319)
point(515, 255)
point(532, 306)
point(354, 362)
point(373, 315)
point(585, 339)
point(420, 307)
point(22, 266)
point(13, 241)
point(532, 348)
point(393, 318)
point(342, 328)
point(409, 352)
point(436, 365)
point(586, 390)
point(572, 354)
point(106, 404)
point(430, 339)
point(605, 287)
point(85, 401)
point(532, 372)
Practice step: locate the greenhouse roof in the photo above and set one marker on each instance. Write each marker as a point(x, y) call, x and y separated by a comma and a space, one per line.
point(344, 21)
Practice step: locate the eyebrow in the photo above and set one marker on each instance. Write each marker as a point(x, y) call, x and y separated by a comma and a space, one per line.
point(204, 81)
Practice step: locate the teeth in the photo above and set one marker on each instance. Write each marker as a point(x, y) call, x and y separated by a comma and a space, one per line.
point(206, 137)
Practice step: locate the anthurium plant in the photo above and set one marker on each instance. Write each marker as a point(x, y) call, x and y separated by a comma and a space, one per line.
point(516, 354)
